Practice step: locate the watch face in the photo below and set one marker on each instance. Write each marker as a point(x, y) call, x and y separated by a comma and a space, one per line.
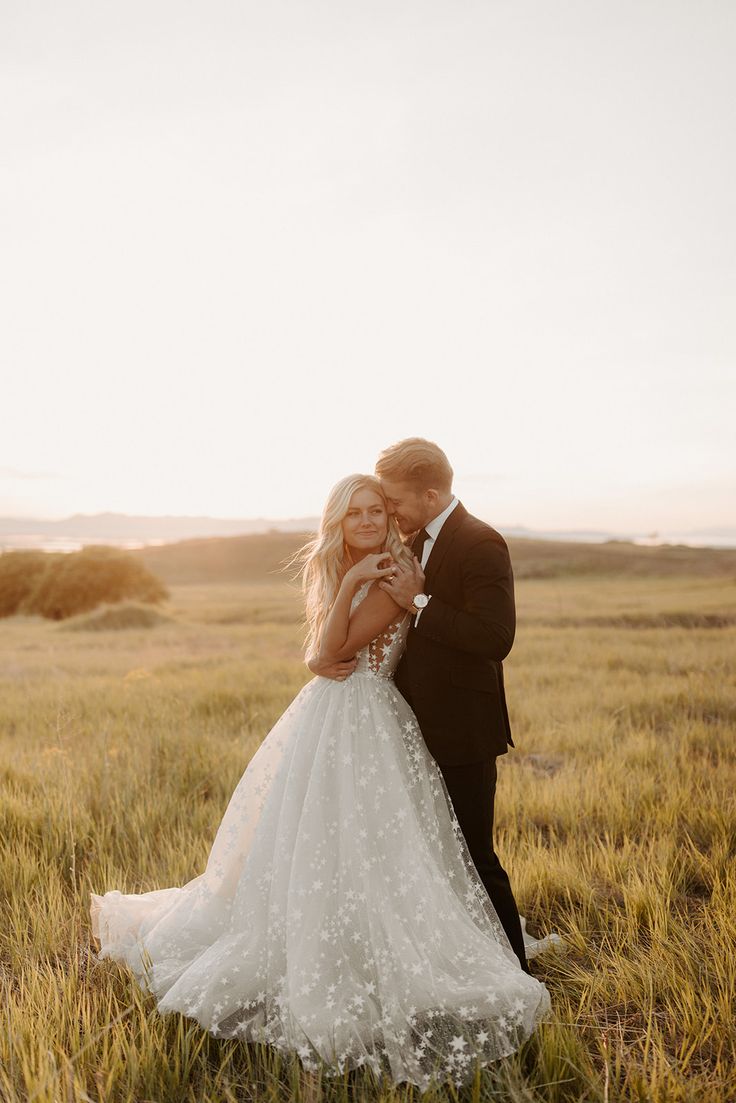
point(421, 600)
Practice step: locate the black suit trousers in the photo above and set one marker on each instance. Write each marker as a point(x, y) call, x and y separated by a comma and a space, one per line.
point(472, 790)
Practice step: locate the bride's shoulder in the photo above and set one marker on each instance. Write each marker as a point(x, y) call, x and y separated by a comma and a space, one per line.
point(361, 593)
point(375, 602)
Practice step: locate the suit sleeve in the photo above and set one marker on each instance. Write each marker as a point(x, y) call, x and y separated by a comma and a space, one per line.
point(486, 623)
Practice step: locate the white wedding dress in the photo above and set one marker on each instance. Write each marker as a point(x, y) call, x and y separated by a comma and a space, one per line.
point(340, 915)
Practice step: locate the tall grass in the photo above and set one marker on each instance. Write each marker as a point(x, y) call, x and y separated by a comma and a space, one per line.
point(119, 750)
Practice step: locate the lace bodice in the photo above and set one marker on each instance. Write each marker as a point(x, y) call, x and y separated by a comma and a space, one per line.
point(381, 656)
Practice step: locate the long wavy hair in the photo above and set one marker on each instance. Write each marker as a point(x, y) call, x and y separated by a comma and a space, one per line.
point(323, 561)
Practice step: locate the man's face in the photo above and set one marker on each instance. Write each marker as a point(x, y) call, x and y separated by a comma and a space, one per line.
point(410, 507)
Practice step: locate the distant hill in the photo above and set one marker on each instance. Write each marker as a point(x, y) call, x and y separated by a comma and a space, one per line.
point(553, 558)
point(257, 558)
point(129, 531)
point(261, 558)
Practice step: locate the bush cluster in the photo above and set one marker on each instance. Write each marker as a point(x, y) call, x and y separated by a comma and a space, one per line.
point(58, 585)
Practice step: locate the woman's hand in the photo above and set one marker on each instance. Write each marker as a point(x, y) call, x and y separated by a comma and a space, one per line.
point(375, 565)
point(404, 583)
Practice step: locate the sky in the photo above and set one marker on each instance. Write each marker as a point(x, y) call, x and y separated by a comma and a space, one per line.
point(247, 245)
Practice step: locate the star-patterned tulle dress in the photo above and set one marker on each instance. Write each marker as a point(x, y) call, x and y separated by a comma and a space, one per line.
point(339, 915)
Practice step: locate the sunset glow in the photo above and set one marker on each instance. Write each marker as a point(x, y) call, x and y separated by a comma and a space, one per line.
point(247, 246)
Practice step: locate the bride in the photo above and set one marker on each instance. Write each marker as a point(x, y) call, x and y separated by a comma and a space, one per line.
point(339, 916)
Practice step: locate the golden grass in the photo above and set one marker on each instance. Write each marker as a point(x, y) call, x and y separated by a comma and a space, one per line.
point(119, 750)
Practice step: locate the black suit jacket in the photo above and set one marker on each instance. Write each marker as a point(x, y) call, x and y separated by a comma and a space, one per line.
point(451, 672)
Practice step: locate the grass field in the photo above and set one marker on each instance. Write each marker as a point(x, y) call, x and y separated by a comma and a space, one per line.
point(119, 749)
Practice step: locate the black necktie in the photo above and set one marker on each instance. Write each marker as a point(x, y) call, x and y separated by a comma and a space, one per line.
point(418, 543)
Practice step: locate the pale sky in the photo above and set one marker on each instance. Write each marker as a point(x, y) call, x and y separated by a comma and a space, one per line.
point(246, 245)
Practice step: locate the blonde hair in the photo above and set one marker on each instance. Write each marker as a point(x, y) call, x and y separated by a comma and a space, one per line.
point(323, 561)
point(416, 461)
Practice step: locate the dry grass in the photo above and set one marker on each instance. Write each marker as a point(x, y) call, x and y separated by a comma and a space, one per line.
point(120, 616)
point(119, 751)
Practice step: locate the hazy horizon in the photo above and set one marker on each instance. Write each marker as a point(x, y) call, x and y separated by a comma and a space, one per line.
point(247, 246)
point(132, 531)
point(234, 519)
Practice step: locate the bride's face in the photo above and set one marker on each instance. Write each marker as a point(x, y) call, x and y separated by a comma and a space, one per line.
point(365, 524)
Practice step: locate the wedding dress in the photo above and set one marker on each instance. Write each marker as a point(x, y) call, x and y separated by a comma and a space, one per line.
point(340, 915)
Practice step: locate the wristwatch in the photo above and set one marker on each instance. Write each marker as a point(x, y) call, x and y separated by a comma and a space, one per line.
point(419, 601)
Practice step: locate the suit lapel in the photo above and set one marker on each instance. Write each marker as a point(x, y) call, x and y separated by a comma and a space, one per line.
point(442, 543)
point(413, 542)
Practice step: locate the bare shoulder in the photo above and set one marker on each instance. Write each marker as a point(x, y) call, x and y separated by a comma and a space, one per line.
point(377, 604)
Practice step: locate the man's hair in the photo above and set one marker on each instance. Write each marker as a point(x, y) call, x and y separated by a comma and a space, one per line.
point(418, 462)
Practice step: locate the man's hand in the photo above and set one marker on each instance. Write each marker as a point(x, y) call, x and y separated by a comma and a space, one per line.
point(338, 671)
point(405, 584)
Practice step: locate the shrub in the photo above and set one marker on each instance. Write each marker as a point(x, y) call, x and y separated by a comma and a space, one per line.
point(79, 581)
point(19, 574)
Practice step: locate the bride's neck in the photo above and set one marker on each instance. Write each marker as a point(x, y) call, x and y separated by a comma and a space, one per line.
point(354, 555)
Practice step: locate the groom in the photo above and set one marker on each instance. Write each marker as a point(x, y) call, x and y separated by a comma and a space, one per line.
point(461, 595)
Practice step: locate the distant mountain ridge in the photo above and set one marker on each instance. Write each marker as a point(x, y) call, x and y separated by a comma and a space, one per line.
point(138, 530)
point(145, 529)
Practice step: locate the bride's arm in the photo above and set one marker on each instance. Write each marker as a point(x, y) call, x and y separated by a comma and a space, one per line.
point(338, 671)
point(370, 619)
point(343, 635)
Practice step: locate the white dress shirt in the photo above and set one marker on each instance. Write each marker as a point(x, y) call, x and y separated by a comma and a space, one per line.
point(433, 530)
